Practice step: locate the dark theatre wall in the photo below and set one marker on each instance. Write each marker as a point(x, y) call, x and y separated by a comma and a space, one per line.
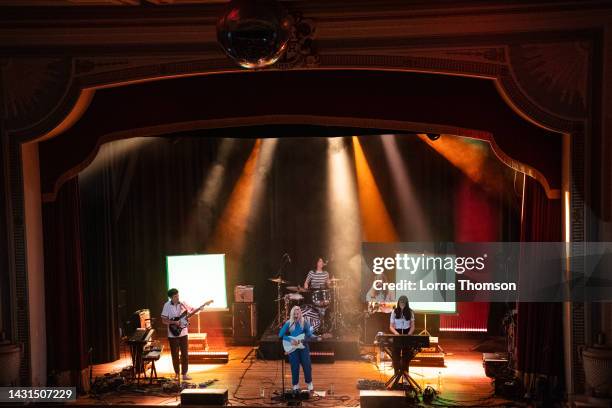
point(140, 202)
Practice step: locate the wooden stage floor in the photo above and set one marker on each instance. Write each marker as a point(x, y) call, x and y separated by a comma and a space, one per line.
point(253, 382)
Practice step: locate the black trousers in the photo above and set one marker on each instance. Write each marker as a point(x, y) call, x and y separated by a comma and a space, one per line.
point(399, 355)
point(181, 343)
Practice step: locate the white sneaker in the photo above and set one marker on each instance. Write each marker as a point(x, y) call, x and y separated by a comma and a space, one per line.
point(186, 377)
point(296, 387)
point(310, 386)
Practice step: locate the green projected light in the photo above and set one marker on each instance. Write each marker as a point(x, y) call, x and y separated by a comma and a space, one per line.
point(434, 307)
point(198, 279)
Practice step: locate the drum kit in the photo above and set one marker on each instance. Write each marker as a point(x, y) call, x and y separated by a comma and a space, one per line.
point(314, 304)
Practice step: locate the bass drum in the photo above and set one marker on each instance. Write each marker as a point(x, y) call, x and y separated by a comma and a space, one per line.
point(321, 297)
point(311, 315)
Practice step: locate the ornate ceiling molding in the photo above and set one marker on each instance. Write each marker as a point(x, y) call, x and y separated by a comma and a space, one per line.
point(554, 76)
point(543, 75)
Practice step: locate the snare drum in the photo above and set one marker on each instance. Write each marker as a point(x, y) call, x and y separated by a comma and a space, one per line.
point(321, 298)
point(295, 298)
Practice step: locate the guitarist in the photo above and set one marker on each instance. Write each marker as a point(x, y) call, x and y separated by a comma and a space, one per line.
point(295, 326)
point(173, 308)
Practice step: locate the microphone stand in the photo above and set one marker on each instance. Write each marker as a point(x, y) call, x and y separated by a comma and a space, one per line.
point(281, 397)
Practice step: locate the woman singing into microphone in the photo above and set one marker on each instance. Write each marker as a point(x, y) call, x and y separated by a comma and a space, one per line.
point(402, 322)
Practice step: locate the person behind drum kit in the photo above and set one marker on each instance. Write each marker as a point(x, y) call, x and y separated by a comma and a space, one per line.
point(317, 279)
point(293, 327)
point(402, 322)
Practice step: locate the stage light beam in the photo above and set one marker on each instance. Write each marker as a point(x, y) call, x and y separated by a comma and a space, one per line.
point(411, 213)
point(375, 219)
point(344, 229)
point(245, 201)
point(471, 157)
point(200, 219)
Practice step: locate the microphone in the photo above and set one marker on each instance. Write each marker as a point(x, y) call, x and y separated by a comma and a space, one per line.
point(288, 257)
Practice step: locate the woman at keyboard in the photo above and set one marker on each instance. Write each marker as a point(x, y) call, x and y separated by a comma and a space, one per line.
point(295, 333)
point(402, 322)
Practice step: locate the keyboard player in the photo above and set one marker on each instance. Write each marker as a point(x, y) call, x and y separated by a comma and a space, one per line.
point(401, 322)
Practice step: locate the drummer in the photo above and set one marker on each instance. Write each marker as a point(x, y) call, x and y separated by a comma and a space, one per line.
point(317, 279)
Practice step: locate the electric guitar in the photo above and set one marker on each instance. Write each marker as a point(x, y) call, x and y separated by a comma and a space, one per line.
point(183, 318)
point(300, 338)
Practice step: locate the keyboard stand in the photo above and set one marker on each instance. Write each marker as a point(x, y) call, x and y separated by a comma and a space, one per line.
point(402, 379)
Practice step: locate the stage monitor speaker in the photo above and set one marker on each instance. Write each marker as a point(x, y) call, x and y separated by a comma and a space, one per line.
point(382, 399)
point(244, 322)
point(204, 396)
point(496, 364)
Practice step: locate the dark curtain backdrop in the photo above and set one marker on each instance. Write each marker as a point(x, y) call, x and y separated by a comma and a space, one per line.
point(539, 348)
point(67, 344)
point(142, 200)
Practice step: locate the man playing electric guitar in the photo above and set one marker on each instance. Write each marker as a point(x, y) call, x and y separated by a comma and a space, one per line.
point(175, 315)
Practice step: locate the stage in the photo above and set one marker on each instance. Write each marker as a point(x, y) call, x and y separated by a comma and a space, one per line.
point(254, 382)
point(344, 347)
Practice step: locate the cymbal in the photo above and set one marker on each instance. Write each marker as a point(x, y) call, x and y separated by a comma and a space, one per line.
point(297, 289)
point(335, 279)
point(278, 280)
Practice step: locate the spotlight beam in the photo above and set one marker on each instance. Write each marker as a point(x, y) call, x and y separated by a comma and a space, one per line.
point(470, 158)
point(377, 224)
point(411, 212)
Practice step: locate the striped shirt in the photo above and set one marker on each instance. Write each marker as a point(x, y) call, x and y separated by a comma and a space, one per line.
point(317, 280)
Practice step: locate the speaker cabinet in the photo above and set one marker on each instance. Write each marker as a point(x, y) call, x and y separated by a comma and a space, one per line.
point(203, 396)
point(382, 399)
point(244, 323)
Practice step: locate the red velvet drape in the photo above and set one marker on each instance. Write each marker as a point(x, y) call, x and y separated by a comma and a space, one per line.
point(66, 335)
point(476, 220)
point(539, 348)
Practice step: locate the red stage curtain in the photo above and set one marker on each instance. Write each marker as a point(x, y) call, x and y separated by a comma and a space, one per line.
point(539, 348)
point(476, 220)
point(65, 318)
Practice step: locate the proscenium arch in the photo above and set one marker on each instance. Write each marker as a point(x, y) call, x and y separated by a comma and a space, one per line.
point(398, 121)
point(85, 93)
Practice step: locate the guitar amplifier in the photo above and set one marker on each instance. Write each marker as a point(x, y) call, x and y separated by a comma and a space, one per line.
point(243, 294)
point(244, 322)
point(198, 342)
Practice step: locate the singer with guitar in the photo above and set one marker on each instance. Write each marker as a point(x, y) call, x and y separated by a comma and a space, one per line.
point(175, 314)
point(295, 333)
